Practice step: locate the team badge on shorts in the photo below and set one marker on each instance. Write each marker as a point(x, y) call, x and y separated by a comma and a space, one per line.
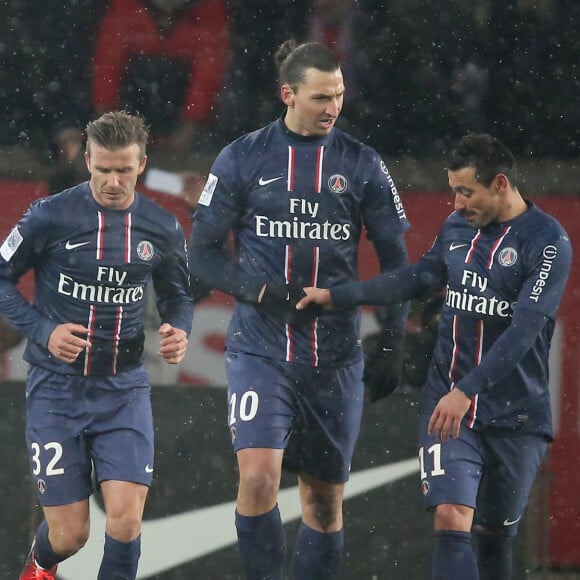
point(145, 250)
point(337, 183)
point(233, 433)
point(425, 487)
point(41, 485)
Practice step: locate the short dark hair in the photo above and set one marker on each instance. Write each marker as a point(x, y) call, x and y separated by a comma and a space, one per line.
point(487, 154)
point(292, 60)
point(118, 129)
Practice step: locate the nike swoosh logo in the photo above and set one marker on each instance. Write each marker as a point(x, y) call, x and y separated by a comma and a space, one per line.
point(148, 469)
point(263, 181)
point(507, 522)
point(196, 533)
point(70, 246)
point(455, 246)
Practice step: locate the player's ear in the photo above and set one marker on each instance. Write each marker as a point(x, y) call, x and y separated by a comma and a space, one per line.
point(287, 95)
point(142, 164)
point(501, 181)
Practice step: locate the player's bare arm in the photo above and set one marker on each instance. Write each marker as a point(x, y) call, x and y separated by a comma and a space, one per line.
point(65, 343)
point(173, 345)
point(446, 419)
point(315, 295)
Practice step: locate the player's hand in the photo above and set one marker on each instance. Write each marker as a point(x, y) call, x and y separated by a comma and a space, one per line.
point(446, 419)
point(173, 345)
point(383, 364)
point(313, 295)
point(66, 341)
point(281, 300)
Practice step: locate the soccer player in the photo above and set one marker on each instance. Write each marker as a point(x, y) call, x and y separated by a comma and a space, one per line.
point(93, 249)
point(296, 195)
point(486, 419)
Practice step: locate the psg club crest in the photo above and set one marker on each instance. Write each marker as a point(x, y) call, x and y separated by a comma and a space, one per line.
point(145, 250)
point(337, 183)
point(507, 257)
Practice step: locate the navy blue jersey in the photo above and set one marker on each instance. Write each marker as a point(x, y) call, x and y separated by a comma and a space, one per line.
point(297, 207)
point(490, 273)
point(496, 276)
point(91, 267)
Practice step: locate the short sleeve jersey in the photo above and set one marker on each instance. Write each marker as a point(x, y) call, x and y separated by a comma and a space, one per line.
point(297, 207)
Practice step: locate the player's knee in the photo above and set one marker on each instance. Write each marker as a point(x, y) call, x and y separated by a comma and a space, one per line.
point(70, 541)
point(453, 517)
point(259, 484)
point(124, 528)
point(326, 515)
point(322, 506)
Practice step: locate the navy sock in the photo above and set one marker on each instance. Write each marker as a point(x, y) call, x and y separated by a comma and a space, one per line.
point(317, 555)
point(120, 559)
point(262, 545)
point(494, 554)
point(43, 553)
point(453, 557)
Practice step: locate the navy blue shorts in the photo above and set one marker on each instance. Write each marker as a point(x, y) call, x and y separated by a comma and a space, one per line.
point(490, 472)
point(314, 414)
point(76, 423)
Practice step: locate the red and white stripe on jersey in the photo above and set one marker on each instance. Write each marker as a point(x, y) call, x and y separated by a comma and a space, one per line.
point(291, 157)
point(493, 250)
point(100, 235)
point(288, 276)
point(495, 246)
point(115, 343)
point(119, 309)
point(453, 365)
point(319, 160)
point(128, 222)
point(472, 412)
point(314, 325)
point(292, 168)
point(88, 350)
point(116, 339)
point(315, 250)
point(314, 330)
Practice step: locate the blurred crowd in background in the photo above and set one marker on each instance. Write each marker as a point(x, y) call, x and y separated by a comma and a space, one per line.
point(418, 72)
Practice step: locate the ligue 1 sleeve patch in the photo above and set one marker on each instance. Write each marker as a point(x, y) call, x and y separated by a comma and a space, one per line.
point(11, 244)
point(207, 193)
